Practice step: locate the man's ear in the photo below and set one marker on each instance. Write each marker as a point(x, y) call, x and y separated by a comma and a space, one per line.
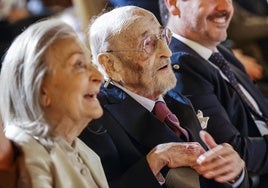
point(111, 66)
point(106, 61)
point(172, 6)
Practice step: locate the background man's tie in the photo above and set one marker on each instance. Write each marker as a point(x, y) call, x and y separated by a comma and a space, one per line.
point(217, 59)
point(165, 115)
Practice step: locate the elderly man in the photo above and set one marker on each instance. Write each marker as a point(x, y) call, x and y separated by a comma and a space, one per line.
point(133, 138)
point(216, 83)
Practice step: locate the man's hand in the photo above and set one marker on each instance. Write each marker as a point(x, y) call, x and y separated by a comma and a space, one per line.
point(173, 155)
point(253, 68)
point(221, 162)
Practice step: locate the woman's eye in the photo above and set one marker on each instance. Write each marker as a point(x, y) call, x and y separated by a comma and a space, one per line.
point(80, 64)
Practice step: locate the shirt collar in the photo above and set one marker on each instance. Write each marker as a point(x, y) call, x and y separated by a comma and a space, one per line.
point(198, 48)
point(145, 102)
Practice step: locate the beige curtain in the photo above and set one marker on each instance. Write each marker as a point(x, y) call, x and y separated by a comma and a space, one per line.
point(86, 9)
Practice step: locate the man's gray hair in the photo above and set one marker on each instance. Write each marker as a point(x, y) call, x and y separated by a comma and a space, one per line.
point(22, 74)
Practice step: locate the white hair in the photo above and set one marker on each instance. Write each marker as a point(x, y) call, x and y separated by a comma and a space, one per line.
point(22, 73)
point(104, 28)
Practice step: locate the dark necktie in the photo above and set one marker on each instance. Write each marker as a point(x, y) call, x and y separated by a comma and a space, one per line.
point(220, 62)
point(165, 115)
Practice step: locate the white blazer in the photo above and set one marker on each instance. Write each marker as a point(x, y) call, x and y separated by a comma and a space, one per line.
point(55, 163)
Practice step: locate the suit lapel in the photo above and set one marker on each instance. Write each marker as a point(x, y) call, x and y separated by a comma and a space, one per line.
point(186, 116)
point(183, 55)
point(140, 124)
point(243, 79)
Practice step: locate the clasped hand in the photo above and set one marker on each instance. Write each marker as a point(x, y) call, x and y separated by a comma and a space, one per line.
point(221, 162)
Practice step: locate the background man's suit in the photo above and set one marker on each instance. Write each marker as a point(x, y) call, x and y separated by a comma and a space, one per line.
point(127, 132)
point(230, 119)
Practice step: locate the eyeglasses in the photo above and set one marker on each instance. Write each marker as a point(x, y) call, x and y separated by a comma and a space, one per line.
point(149, 44)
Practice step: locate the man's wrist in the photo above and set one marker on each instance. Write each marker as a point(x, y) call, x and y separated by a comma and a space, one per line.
point(238, 179)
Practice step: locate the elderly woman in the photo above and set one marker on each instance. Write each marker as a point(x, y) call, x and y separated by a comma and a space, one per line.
point(48, 96)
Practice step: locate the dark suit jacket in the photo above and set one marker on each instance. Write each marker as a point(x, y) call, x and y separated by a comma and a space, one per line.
point(127, 132)
point(230, 119)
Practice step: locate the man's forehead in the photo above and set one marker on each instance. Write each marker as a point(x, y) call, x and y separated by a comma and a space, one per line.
point(142, 26)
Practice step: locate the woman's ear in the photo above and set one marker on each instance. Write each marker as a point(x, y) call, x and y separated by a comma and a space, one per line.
point(172, 6)
point(45, 99)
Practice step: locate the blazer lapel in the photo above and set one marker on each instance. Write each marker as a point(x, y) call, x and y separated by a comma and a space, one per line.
point(186, 116)
point(139, 123)
point(243, 79)
point(183, 54)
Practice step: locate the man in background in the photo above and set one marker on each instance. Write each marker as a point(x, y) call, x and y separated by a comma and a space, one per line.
point(215, 81)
